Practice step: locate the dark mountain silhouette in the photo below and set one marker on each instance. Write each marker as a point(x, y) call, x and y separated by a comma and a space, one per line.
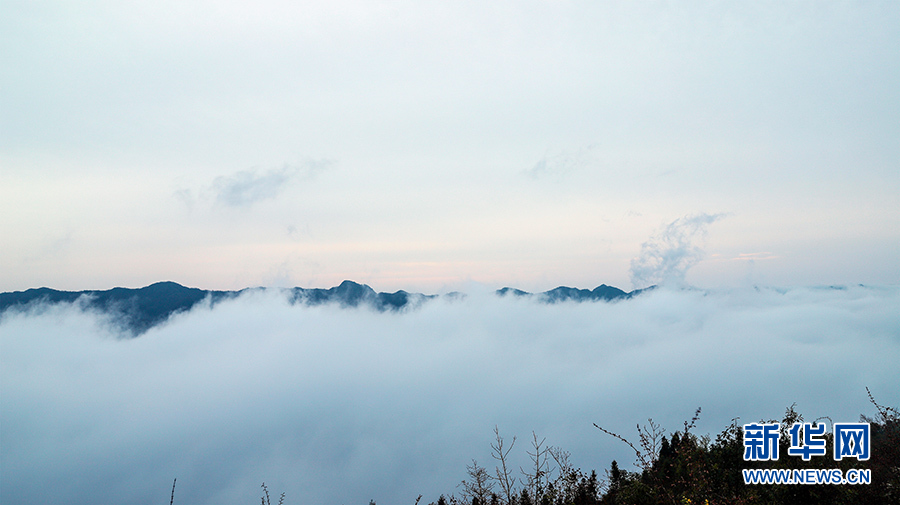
point(137, 310)
point(351, 294)
point(564, 294)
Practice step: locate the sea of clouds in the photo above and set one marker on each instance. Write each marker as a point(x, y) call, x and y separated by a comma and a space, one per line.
point(337, 405)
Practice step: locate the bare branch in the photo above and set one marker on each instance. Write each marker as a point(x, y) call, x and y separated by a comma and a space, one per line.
point(480, 486)
point(504, 474)
point(688, 427)
point(535, 481)
point(640, 456)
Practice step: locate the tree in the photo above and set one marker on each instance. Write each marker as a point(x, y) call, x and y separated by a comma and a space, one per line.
point(504, 473)
point(479, 487)
point(535, 480)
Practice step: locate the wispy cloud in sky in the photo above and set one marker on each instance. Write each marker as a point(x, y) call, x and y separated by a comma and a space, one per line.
point(335, 405)
point(667, 256)
point(244, 188)
point(557, 164)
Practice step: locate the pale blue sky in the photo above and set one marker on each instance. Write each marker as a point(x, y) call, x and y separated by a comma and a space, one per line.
point(426, 145)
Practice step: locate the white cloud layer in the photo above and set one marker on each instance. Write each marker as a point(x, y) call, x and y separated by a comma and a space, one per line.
point(336, 405)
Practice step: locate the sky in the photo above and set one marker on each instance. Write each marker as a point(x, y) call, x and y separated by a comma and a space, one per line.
point(426, 145)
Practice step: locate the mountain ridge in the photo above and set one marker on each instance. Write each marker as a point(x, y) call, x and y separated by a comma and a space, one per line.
point(136, 310)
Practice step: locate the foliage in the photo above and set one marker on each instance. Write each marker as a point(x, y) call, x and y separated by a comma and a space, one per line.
point(688, 469)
